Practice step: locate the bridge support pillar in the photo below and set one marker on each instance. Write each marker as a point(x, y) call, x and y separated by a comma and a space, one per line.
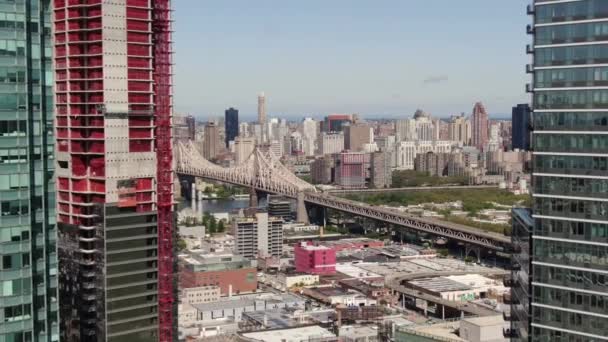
point(472, 249)
point(301, 213)
point(253, 198)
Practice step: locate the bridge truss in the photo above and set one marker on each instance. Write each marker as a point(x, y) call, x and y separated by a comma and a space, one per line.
point(263, 171)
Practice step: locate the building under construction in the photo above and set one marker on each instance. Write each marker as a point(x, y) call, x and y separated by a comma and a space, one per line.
point(115, 214)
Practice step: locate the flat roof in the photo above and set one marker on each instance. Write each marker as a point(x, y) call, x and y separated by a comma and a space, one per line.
point(248, 300)
point(290, 335)
point(439, 284)
point(486, 321)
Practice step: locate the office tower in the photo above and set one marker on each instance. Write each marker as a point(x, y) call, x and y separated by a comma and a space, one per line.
point(115, 213)
point(357, 135)
point(231, 125)
point(28, 281)
point(570, 165)
point(309, 129)
point(191, 127)
point(262, 109)
point(336, 122)
point(459, 129)
point(330, 143)
point(479, 126)
point(211, 141)
point(243, 147)
point(258, 235)
point(520, 129)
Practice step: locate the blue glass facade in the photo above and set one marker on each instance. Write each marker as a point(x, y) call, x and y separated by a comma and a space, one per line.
point(520, 120)
point(231, 125)
point(28, 273)
point(569, 267)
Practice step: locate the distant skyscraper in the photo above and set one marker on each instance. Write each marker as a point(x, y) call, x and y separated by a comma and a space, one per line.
point(262, 108)
point(115, 219)
point(243, 148)
point(520, 128)
point(191, 126)
point(28, 273)
point(231, 124)
point(569, 272)
point(211, 141)
point(357, 135)
point(479, 126)
point(336, 122)
point(459, 129)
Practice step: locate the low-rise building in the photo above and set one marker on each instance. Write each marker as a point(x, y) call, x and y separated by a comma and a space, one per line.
point(201, 294)
point(314, 259)
point(233, 274)
point(259, 235)
point(336, 295)
point(285, 280)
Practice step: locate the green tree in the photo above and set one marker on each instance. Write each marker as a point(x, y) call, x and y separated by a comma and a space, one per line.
point(221, 226)
point(181, 244)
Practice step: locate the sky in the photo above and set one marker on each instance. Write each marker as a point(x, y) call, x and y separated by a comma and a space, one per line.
point(378, 58)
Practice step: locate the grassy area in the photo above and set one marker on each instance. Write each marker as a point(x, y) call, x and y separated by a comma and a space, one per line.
point(473, 201)
point(405, 178)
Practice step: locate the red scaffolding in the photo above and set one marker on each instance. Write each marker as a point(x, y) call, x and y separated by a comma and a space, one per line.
point(161, 28)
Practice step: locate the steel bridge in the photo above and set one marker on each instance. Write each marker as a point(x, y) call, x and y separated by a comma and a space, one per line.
point(263, 171)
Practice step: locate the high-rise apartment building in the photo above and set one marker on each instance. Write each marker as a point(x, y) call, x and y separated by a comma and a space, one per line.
point(243, 147)
point(520, 129)
point(115, 215)
point(28, 273)
point(569, 281)
point(231, 125)
point(260, 235)
point(330, 143)
point(211, 141)
point(262, 109)
point(459, 129)
point(479, 126)
point(380, 175)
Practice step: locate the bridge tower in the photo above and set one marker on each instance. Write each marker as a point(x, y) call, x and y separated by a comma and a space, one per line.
point(301, 212)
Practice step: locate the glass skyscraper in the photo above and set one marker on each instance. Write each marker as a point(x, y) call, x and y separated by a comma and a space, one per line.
point(569, 291)
point(28, 280)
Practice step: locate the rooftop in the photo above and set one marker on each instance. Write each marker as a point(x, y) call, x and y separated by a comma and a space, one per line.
point(439, 284)
point(486, 321)
point(249, 300)
point(290, 335)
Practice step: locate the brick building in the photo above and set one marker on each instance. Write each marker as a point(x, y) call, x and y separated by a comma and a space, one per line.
point(232, 273)
point(313, 259)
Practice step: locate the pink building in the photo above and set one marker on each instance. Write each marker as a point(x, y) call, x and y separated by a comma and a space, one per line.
point(479, 126)
point(313, 259)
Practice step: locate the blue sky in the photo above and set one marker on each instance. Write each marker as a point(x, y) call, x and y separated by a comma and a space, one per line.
point(380, 58)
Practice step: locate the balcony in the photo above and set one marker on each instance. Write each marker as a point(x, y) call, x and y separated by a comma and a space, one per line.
point(529, 88)
point(530, 29)
point(507, 316)
point(529, 68)
point(529, 49)
point(530, 10)
point(509, 282)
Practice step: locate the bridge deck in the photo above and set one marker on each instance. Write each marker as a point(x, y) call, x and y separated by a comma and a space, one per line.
point(393, 215)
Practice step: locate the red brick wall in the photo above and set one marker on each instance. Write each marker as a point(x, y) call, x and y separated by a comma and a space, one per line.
point(237, 278)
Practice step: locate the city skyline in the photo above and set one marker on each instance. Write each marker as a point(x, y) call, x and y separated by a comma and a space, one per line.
point(377, 65)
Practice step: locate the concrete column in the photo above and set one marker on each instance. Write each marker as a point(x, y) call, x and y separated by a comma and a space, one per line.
point(200, 204)
point(301, 214)
point(193, 197)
